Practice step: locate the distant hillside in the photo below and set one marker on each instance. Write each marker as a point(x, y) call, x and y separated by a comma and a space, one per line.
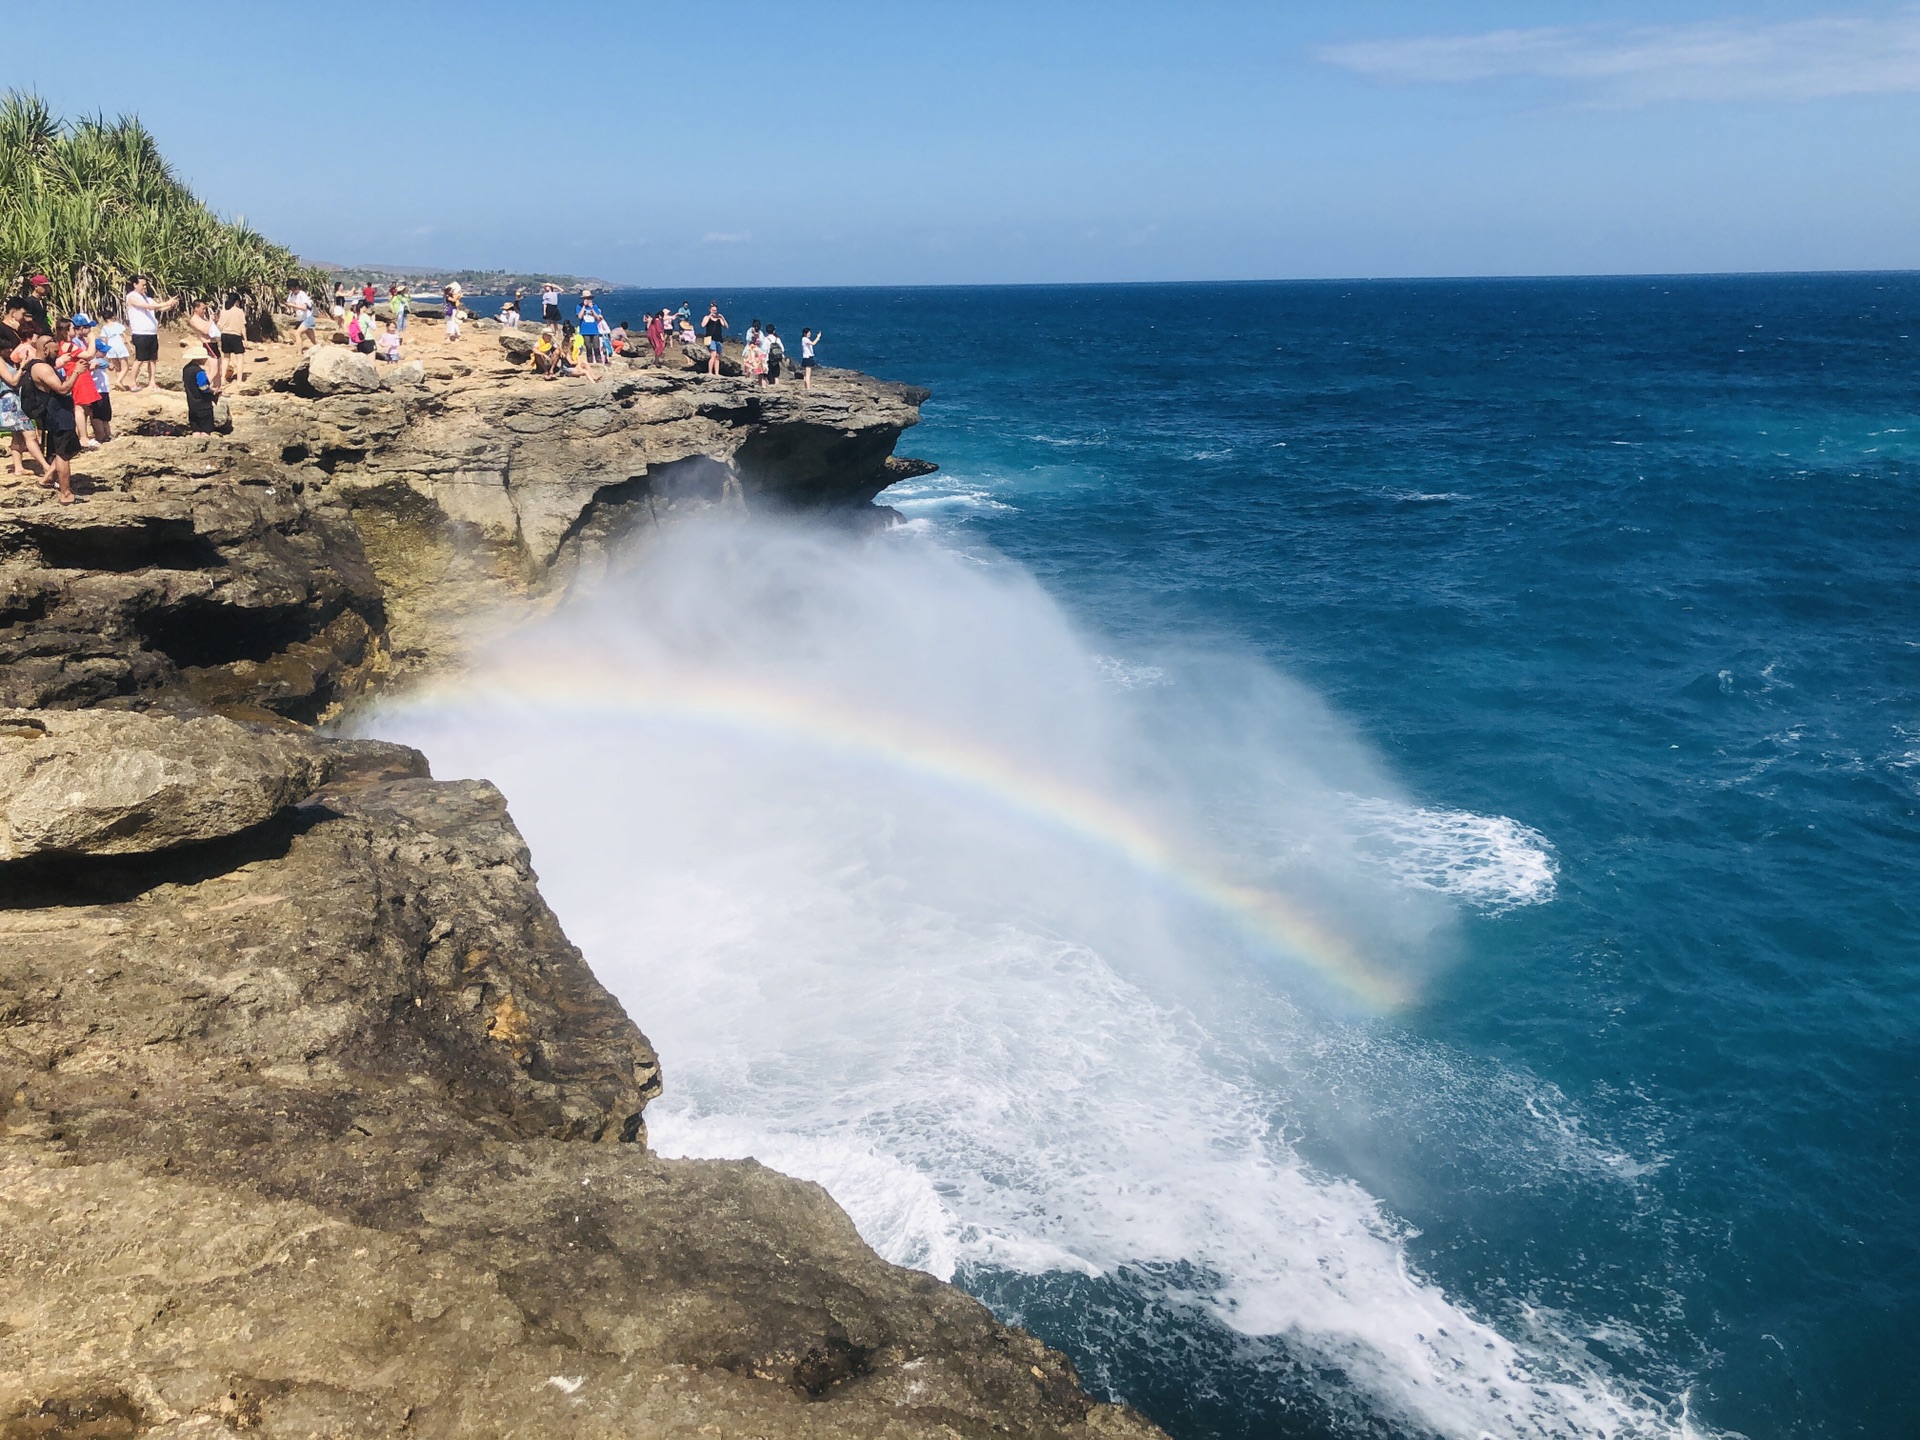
point(473, 282)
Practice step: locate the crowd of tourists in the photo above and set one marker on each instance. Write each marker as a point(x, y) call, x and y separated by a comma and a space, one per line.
point(58, 372)
point(574, 347)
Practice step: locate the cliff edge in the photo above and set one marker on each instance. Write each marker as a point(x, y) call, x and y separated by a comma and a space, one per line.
point(312, 1121)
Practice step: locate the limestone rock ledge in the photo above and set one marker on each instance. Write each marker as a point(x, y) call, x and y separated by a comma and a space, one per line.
point(312, 1121)
point(317, 1129)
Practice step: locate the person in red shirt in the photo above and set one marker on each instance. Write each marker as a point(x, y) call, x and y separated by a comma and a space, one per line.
point(369, 294)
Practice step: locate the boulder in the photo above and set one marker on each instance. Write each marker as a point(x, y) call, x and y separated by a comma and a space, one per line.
point(97, 782)
point(519, 344)
point(331, 368)
point(407, 372)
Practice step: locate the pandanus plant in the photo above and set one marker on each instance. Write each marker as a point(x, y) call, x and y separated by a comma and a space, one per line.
point(93, 202)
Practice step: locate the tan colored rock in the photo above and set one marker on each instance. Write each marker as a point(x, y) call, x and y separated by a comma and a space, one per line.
point(94, 782)
point(332, 1144)
point(333, 368)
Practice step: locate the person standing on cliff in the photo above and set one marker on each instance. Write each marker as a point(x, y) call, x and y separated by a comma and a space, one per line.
point(301, 304)
point(591, 324)
point(16, 357)
point(550, 304)
point(53, 406)
point(35, 291)
point(402, 302)
point(143, 326)
point(776, 354)
point(233, 338)
point(657, 335)
point(807, 341)
point(716, 327)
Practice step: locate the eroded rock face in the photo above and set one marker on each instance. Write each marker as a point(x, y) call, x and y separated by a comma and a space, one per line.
point(95, 782)
point(317, 1130)
point(202, 571)
point(312, 1121)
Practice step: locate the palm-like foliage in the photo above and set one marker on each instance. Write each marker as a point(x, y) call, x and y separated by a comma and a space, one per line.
point(94, 203)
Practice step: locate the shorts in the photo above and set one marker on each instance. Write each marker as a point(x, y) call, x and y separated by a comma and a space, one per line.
point(365, 347)
point(714, 346)
point(550, 314)
point(233, 344)
point(12, 417)
point(102, 409)
point(61, 444)
point(807, 363)
point(306, 321)
point(146, 347)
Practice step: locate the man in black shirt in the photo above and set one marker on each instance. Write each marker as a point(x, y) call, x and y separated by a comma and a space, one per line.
point(35, 291)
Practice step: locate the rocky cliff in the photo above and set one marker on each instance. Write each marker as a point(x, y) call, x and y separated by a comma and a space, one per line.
point(312, 1121)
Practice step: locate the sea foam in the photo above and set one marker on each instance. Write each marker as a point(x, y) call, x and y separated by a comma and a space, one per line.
point(994, 1040)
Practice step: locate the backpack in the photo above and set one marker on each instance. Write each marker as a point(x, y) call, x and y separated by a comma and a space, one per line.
point(33, 400)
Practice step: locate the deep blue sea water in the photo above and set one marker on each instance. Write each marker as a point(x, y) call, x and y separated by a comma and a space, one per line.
point(1630, 561)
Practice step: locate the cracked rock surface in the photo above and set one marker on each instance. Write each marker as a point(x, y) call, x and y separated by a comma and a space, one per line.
point(312, 1120)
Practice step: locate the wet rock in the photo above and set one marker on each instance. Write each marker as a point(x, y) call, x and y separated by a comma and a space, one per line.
point(95, 782)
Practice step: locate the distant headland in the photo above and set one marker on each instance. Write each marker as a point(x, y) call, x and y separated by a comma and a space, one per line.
point(472, 282)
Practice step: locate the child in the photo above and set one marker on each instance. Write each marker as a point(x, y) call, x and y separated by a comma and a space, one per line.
point(114, 334)
point(388, 346)
point(100, 412)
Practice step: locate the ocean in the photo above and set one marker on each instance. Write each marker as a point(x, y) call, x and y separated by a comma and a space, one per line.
point(1352, 864)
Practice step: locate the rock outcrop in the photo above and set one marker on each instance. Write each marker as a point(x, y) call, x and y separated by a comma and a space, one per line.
point(312, 1121)
point(93, 782)
point(195, 568)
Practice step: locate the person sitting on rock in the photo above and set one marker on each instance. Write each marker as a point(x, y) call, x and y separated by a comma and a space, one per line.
point(360, 329)
point(545, 353)
point(573, 353)
point(510, 315)
point(387, 347)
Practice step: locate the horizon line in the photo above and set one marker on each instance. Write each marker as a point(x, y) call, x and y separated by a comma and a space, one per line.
point(1259, 280)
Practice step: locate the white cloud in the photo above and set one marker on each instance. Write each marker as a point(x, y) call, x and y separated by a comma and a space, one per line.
point(1822, 55)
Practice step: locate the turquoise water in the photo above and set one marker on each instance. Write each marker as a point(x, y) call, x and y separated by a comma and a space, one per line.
point(1628, 565)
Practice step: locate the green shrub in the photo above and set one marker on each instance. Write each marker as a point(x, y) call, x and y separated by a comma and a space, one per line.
point(92, 203)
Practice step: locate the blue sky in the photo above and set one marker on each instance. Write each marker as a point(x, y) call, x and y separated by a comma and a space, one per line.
point(793, 143)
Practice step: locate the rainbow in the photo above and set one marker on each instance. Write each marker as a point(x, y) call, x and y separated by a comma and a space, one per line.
point(930, 756)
